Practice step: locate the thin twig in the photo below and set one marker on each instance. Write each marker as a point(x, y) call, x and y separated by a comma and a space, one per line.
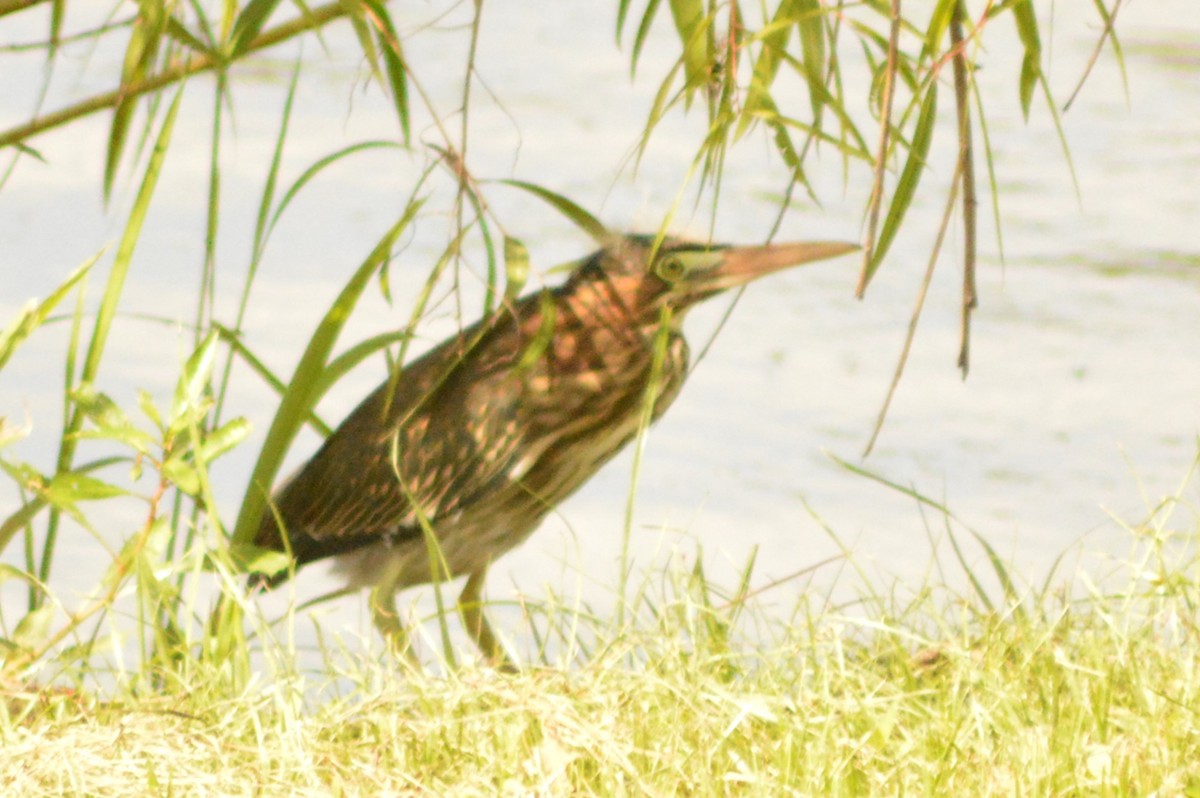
point(13, 6)
point(916, 314)
point(966, 165)
point(316, 18)
point(1110, 22)
point(885, 122)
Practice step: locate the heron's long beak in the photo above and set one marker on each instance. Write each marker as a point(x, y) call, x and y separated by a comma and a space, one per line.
point(740, 265)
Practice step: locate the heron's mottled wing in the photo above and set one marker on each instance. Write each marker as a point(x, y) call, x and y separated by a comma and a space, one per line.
point(418, 454)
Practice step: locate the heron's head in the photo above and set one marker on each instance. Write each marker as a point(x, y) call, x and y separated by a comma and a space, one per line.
point(679, 274)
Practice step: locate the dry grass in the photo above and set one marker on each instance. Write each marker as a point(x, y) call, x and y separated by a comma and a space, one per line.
point(1097, 696)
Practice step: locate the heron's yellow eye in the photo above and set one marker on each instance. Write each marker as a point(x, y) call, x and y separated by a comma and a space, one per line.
point(670, 268)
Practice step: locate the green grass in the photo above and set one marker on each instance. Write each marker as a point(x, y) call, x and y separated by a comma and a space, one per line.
point(1073, 691)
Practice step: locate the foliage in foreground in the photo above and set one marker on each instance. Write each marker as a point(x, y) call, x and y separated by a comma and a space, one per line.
point(944, 695)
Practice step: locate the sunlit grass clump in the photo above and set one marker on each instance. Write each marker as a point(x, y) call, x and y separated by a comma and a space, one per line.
point(1079, 690)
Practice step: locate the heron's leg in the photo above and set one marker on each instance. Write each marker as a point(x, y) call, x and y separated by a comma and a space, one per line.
point(386, 616)
point(470, 605)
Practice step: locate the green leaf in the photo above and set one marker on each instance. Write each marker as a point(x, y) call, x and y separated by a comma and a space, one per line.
point(939, 21)
point(773, 40)
point(257, 560)
point(32, 480)
point(224, 438)
point(643, 30)
point(34, 628)
point(363, 34)
point(1031, 64)
point(140, 54)
point(179, 33)
point(149, 409)
point(693, 35)
point(541, 340)
point(182, 474)
point(129, 238)
point(248, 25)
point(98, 407)
point(393, 61)
point(193, 382)
point(316, 169)
point(145, 547)
point(8, 572)
point(11, 433)
point(516, 267)
point(34, 313)
point(70, 487)
point(910, 177)
point(812, 46)
point(582, 219)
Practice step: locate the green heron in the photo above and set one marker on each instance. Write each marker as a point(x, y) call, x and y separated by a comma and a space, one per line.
point(476, 441)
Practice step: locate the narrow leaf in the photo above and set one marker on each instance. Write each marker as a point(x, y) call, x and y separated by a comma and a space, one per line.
point(224, 438)
point(516, 267)
point(34, 628)
point(812, 46)
point(298, 401)
point(582, 219)
point(34, 313)
point(248, 25)
point(639, 39)
point(71, 487)
point(906, 188)
point(690, 23)
point(181, 474)
point(393, 62)
point(194, 380)
point(1031, 69)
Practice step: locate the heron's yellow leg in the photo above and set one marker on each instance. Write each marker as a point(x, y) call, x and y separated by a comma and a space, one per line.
point(470, 605)
point(386, 616)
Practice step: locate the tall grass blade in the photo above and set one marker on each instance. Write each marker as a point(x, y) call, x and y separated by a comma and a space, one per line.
point(300, 396)
point(108, 309)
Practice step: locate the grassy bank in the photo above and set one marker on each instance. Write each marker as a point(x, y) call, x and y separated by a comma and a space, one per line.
point(1097, 694)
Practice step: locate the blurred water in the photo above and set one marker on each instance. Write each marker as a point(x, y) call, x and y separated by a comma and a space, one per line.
point(1084, 394)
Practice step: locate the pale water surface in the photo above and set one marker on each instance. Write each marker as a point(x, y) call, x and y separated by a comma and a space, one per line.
point(1083, 400)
